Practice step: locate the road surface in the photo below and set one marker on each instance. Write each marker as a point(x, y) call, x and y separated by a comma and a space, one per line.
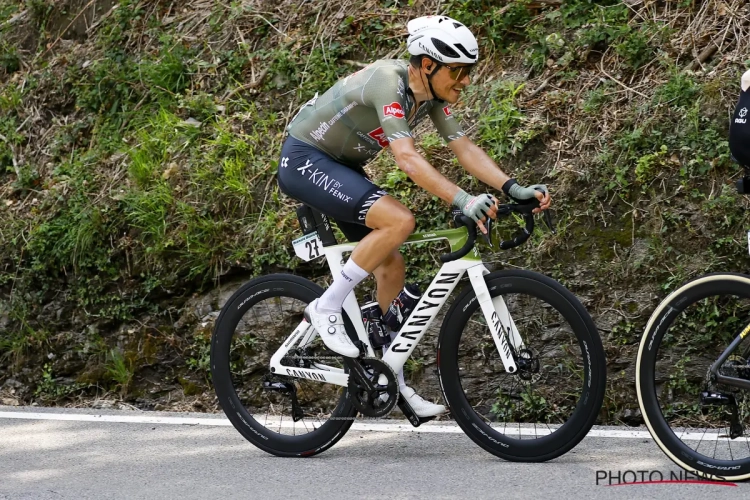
point(55, 453)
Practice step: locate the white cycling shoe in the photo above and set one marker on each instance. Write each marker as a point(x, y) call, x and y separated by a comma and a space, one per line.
point(330, 327)
point(421, 407)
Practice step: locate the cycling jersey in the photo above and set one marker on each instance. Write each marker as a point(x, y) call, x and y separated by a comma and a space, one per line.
point(739, 129)
point(364, 112)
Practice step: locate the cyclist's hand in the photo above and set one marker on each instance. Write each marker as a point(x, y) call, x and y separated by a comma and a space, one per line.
point(523, 195)
point(477, 208)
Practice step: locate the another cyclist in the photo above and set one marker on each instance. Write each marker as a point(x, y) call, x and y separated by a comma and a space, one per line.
point(739, 127)
point(336, 133)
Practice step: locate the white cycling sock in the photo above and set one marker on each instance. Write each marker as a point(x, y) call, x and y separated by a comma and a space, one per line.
point(333, 298)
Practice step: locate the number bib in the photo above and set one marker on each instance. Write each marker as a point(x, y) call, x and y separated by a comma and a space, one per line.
point(308, 247)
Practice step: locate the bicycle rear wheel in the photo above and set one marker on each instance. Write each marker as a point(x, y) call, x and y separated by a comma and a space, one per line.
point(684, 336)
point(252, 325)
point(533, 415)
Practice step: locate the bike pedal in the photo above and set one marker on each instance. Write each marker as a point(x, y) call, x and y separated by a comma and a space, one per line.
point(406, 409)
point(412, 417)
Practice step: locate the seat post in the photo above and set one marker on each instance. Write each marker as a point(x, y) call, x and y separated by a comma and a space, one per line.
point(323, 226)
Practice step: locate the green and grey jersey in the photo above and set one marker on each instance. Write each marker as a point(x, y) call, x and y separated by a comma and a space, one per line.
point(362, 113)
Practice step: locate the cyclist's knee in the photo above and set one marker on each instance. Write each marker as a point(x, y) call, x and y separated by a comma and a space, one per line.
point(390, 215)
point(406, 224)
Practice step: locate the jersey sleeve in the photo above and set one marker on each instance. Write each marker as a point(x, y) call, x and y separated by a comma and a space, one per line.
point(445, 123)
point(385, 91)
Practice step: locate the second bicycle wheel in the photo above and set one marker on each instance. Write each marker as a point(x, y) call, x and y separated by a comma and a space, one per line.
point(283, 415)
point(684, 337)
point(535, 414)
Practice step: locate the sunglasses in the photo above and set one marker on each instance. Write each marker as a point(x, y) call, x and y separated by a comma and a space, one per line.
point(458, 73)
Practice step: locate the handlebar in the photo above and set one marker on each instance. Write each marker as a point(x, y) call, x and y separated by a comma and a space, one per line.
point(459, 219)
point(518, 239)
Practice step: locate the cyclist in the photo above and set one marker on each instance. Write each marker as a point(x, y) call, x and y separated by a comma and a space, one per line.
point(334, 134)
point(739, 129)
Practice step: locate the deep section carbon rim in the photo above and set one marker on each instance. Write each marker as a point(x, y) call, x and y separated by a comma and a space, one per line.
point(284, 415)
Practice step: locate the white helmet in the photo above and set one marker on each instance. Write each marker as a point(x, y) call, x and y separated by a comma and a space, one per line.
point(442, 38)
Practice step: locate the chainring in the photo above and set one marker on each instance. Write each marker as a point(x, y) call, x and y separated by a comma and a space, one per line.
point(368, 402)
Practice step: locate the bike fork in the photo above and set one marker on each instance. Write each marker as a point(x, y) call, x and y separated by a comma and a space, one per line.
point(498, 319)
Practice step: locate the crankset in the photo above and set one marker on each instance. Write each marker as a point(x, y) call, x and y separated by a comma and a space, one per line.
point(709, 398)
point(365, 389)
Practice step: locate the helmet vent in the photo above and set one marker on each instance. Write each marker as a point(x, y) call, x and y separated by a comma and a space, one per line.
point(446, 49)
point(464, 51)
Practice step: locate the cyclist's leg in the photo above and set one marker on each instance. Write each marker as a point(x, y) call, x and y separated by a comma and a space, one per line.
point(345, 194)
point(389, 275)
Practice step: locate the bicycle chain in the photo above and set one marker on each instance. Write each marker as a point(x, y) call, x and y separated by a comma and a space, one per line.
point(320, 358)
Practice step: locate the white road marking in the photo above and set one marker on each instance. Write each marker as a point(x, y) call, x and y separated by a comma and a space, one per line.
point(398, 426)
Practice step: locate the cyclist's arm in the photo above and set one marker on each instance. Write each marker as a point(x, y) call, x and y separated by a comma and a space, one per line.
point(421, 172)
point(381, 93)
point(475, 161)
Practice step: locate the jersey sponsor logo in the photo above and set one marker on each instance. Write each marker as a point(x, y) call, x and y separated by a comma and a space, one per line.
point(393, 109)
point(384, 140)
point(319, 133)
point(447, 110)
point(742, 114)
point(341, 113)
point(341, 196)
point(379, 136)
point(303, 168)
point(366, 137)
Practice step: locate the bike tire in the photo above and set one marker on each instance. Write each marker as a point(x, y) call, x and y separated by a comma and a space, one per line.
point(276, 443)
point(666, 314)
point(551, 294)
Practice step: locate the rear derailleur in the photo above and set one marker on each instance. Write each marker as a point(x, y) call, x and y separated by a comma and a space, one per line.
point(711, 398)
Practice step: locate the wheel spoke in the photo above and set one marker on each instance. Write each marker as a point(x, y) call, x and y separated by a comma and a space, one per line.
point(266, 399)
point(536, 401)
point(686, 337)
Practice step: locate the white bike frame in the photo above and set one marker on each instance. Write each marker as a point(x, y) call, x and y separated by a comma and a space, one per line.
point(502, 327)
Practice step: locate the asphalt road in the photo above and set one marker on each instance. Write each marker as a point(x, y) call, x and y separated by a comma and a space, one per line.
point(53, 454)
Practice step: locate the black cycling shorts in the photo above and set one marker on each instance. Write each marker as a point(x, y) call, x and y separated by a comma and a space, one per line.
point(739, 130)
point(343, 193)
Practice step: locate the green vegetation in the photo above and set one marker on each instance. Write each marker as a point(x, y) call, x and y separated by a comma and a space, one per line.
point(139, 143)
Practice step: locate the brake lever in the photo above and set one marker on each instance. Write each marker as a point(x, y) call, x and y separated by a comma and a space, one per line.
point(488, 227)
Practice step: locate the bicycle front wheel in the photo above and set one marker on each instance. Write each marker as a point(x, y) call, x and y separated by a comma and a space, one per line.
point(541, 411)
point(280, 414)
point(692, 418)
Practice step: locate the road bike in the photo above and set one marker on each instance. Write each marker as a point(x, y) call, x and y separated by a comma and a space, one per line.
point(693, 374)
point(519, 360)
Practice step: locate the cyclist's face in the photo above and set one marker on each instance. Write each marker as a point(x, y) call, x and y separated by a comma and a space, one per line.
point(449, 81)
